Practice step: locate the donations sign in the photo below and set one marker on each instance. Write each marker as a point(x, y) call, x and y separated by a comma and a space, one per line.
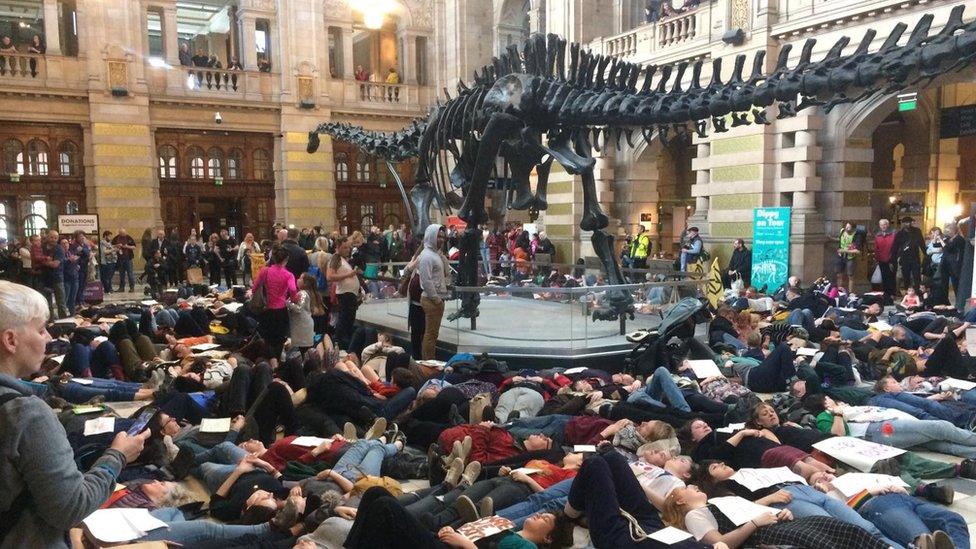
point(770, 247)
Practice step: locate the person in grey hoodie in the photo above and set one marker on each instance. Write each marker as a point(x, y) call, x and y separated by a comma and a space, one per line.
point(432, 269)
point(42, 492)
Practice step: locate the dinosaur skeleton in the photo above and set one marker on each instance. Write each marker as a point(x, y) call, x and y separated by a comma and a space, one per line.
point(532, 108)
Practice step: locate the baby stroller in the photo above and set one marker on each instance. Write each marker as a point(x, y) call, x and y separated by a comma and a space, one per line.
point(651, 347)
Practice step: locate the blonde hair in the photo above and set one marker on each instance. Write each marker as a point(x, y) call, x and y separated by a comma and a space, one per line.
point(20, 305)
point(672, 512)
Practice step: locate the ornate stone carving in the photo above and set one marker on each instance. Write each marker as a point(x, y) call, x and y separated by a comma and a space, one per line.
point(337, 9)
point(739, 14)
point(305, 92)
point(421, 13)
point(118, 74)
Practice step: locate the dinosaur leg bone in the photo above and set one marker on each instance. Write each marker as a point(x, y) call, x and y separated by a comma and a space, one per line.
point(593, 216)
point(499, 127)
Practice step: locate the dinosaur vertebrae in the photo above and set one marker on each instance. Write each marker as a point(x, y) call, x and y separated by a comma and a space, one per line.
point(393, 147)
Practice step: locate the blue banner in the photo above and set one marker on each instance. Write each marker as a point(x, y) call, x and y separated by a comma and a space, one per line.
point(770, 247)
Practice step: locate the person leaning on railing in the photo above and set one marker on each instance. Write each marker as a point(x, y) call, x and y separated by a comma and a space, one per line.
point(6, 46)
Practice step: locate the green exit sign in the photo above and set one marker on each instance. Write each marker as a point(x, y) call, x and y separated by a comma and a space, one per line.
point(907, 101)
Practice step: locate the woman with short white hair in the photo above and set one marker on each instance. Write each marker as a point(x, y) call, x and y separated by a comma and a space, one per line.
point(42, 492)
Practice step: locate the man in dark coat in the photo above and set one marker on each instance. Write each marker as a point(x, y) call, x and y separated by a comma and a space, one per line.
point(909, 248)
point(297, 258)
point(740, 265)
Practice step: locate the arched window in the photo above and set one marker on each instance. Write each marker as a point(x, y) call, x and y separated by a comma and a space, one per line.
point(68, 158)
point(36, 219)
point(215, 159)
point(194, 156)
point(13, 157)
point(262, 164)
point(362, 170)
point(37, 152)
point(262, 211)
point(341, 167)
point(235, 164)
point(167, 162)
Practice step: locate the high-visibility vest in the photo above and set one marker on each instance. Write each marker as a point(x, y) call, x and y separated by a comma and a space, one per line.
point(640, 247)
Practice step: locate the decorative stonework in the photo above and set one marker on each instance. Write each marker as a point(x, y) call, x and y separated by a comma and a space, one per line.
point(739, 14)
point(421, 13)
point(118, 74)
point(305, 92)
point(337, 9)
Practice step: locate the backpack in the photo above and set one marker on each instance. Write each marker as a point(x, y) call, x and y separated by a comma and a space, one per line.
point(320, 280)
point(10, 517)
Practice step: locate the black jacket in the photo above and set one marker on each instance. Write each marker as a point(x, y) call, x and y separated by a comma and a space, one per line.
point(909, 245)
point(297, 258)
point(741, 261)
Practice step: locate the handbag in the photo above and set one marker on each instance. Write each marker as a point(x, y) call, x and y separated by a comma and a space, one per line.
point(366, 482)
point(259, 300)
point(876, 275)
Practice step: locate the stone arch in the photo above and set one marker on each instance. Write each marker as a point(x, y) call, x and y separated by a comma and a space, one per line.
point(510, 22)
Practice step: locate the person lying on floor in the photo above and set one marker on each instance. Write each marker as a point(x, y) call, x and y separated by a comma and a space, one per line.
point(688, 509)
point(714, 478)
point(88, 390)
point(891, 428)
point(912, 468)
point(942, 405)
point(747, 448)
point(907, 520)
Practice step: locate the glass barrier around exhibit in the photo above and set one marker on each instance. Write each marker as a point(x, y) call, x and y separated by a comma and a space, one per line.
point(543, 311)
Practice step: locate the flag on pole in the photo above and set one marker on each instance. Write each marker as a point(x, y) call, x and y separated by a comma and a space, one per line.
point(714, 288)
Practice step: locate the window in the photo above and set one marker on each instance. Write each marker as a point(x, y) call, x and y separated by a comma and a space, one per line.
point(368, 213)
point(341, 167)
point(215, 159)
point(71, 207)
point(154, 30)
point(13, 157)
point(261, 33)
point(37, 157)
point(335, 52)
point(4, 234)
point(68, 159)
point(167, 162)
point(362, 170)
point(421, 67)
point(235, 163)
point(36, 219)
point(262, 164)
point(195, 157)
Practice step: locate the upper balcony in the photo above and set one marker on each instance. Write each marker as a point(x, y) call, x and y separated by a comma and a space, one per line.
point(35, 73)
point(685, 35)
point(378, 97)
point(214, 84)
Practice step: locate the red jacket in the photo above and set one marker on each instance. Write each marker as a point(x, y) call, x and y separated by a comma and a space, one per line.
point(883, 244)
point(488, 444)
point(585, 430)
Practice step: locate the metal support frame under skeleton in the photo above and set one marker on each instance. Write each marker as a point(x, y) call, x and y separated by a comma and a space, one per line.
point(523, 96)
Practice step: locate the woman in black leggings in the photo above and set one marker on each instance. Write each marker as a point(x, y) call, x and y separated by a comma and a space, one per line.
point(606, 490)
point(382, 523)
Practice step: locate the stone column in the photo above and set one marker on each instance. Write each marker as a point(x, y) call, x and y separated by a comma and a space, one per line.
point(171, 40)
point(249, 55)
point(408, 57)
point(348, 70)
point(944, 181)
point(52, 28)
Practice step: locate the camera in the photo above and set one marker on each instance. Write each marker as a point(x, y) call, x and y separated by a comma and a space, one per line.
point(217, 118)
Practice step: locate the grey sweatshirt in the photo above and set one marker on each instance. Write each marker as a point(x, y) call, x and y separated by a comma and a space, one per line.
point(35, 456)
point(432, 266)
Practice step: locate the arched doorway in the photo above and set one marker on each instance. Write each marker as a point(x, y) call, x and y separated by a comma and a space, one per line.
point(511, 23)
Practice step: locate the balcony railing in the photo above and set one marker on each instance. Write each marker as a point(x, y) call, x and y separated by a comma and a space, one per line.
point(165, 80)
point(410, 98)
point(669, 35)
point(214, 79)
point(20, 65)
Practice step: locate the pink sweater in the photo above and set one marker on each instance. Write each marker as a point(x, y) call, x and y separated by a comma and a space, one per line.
point(279, 284)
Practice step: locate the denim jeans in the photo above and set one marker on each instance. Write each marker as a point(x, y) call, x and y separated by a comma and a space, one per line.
point(553, 426)
point(112, 390)
point(124, 267)
point(551, 499)
point(801, 317)
point(217, 463)
point(70, 293)
point(921, 407)
point(851, 334)
point(660, 386)
point(364, 457)
point(397, 403)
point(808, 502)
point(105, 273)
point(938, 436)
point(903, 518)
point(188, 532)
